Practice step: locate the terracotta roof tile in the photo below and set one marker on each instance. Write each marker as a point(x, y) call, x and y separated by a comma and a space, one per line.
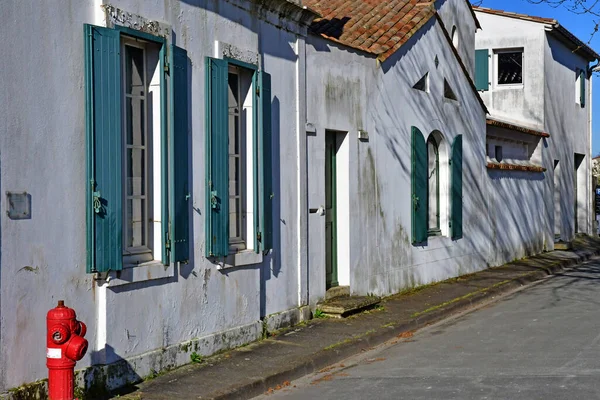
point(379, 27)
point(508, 125)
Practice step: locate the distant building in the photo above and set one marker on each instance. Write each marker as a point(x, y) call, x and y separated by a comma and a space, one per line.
point(534, 77)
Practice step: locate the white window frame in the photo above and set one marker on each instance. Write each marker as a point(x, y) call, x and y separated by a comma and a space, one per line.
point(455, 39)
point(247, 241)
point(496, 75)
point(151, 252)
point(578, 86)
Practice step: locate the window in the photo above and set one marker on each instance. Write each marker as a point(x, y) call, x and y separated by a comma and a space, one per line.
point(133, 154)
point(455, 37)
point(241, 161)
point(433, 187)
point(238, 152)
point(423, 83)
point(448, 92)
point(436, 204)
point(510, 67)
point(498, 153)
point(140, 62)
point(580, 88)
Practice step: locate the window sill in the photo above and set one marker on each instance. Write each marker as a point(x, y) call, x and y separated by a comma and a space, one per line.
point(240, 259)
point(140, 273)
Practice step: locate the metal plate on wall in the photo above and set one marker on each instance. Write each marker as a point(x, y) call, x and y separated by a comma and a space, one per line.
point(18, 205)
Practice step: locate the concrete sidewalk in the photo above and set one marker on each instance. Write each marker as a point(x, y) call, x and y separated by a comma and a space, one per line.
point(271, 363)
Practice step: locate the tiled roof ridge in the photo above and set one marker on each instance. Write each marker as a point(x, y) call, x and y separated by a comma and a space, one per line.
point(532, 18)
point(378, 28)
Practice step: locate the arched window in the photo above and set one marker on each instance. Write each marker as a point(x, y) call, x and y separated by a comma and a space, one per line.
point(454, 37)
point(433, 186)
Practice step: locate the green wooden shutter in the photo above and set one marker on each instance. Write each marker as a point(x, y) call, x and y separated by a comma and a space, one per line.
point(164, 155)
point(179, 182)
point(482, 60)
point(456, 210)
point(265, 176)
point(582, 88)
point(104, 148)
point(217, 154)
point(419, 186)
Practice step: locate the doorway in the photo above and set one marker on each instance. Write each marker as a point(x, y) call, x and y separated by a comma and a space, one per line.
point(579, 193)
point(557, 206)
point(331, 278)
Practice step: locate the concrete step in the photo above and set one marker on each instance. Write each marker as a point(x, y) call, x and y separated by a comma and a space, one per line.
point(340, 307)
point(338, 291)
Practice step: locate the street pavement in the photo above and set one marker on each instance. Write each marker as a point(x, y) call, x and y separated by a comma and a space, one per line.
point(540, 343)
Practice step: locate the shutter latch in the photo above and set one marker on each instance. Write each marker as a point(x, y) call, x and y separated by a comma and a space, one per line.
point(97, 202)
point(214, 204)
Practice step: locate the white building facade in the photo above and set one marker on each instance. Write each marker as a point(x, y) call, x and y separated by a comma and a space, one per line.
point(190, 174)
point(535, 78)
point(131, 132)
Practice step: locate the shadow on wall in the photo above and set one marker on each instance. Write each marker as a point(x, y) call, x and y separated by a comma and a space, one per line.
point(272, 262)
point(233, 13)
point(100, 377)
point(513, 202)
point(186, 269)
point(2, 207)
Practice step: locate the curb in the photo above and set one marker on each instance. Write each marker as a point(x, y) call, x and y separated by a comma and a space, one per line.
point(324, 357)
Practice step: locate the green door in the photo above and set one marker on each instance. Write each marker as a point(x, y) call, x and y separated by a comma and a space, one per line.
point(331, 279)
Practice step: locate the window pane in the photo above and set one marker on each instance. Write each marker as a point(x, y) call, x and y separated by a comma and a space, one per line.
point(136, 118)
point(234, 220)
point(433, 187)
point(233, 93)
point(234, 182)
point(134, 71)
point(510, 68)
point(136, 230)
point(136, 174)
point(234, 135)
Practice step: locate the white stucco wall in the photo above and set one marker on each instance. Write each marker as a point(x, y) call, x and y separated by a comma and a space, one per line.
point(457, 13)
point(347, 91)
point(569, 125)
point(42, 151)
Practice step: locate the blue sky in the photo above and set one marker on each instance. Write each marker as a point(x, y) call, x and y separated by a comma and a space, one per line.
point(581, 26)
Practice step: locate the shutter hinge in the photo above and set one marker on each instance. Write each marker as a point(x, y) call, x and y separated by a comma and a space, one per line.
point(257, 90)
point(166, 64)
point(168, 245)
point(259, 236)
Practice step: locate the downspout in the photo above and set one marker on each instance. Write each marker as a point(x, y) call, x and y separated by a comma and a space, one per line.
point(591, 199)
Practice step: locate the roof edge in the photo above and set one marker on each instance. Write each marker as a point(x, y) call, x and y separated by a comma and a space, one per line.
point(551, 24)
point(579, 44)
point(508, 125)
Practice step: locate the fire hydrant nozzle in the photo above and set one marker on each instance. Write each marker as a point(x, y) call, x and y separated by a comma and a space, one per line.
point(65, 346)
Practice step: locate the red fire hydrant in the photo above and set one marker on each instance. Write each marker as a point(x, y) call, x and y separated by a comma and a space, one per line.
point(65, 345)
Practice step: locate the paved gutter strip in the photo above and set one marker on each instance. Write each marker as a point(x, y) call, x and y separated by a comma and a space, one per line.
point(358, 339)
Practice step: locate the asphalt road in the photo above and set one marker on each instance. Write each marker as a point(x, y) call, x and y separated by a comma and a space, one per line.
point(540, 343)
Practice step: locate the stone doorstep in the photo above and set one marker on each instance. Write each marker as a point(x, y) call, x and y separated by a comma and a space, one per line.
point(563, 245)
point(337, 291)
point(340, 307)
